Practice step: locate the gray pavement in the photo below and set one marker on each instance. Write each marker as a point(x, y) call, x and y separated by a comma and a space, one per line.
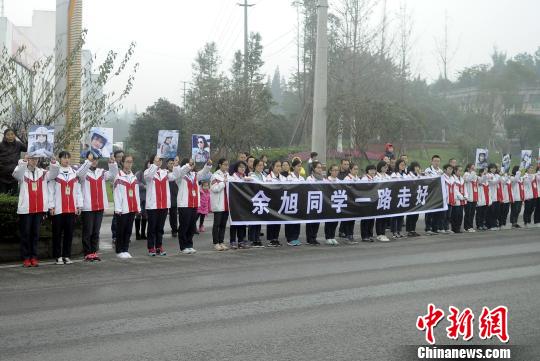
point(357, 302)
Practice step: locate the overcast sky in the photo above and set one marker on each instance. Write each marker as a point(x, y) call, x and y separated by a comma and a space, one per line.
point(169, 33)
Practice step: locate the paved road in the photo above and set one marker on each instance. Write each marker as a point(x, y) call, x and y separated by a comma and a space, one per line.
point(307, 303)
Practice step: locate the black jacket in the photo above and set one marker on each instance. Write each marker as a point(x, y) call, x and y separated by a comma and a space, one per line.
point(10, 153)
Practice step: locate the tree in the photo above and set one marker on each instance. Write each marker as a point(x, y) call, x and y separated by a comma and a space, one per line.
point(29, 94)
point(143, 133)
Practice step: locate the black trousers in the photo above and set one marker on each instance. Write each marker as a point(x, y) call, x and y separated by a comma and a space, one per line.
point(200, 218)
point(515, 210)
point(219, 226)
point(342, 227)
point(434, 221)
point(366, 228)
point(173, 219)
point(395, 224)
point(187, 218)
point(330, 230)
point(272, 231)
point(503, 213)
point(237, 234)
point(492, 218)
point(446, 220)
point(410, 223)
point(311, 231)
point(156, 227)
point(62, 232)
point(530, 205)
point(29, 225)
point(254, 233)
point(456, 218)
point(292, 232)
point(123, 231)
point(470, 210)
point(481, 213)
point(91, 225)
point(380, 226)
point(113, 225)
point(348, 228)
point(537, 211)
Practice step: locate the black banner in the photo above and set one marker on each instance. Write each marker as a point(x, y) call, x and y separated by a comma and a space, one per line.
point(308, 202)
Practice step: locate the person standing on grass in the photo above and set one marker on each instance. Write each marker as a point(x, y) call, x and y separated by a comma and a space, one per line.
point(126, 205)
point(65, 202)
point(33, 204)
point(95, 201)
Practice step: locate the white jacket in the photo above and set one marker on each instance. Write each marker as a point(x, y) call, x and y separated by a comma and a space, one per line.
point(518, 189)
point(459, 192)
point(93, 186)
point(493, 182)
point(273, 178)
point(126, 193)
point(505, 189)
point(34, 193)
point(293, 178)
point(431, 171)
point(158, 194)
point(218, 192)
point(484, 198)
point(65, 194)
point(530, 185)
point(188, 185)
point(471, 186)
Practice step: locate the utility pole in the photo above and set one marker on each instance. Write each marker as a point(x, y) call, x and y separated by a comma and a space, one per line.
point(184, 93)
point(318, 132)
point(245, 5)
point(3, 14)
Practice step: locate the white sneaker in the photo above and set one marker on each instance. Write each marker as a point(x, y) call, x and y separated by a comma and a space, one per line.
point(383, 238)
point(494, 229)
point(330, 242)
point(336, 243)
point(471, 230)
point(450, 232)
point(67, 260)
point(192, 250)
point(120, 255)
point(185, 251)
point(127, 255)
point(59, 261)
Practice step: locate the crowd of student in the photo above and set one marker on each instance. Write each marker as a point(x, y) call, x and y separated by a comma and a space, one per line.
point(485, 197)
